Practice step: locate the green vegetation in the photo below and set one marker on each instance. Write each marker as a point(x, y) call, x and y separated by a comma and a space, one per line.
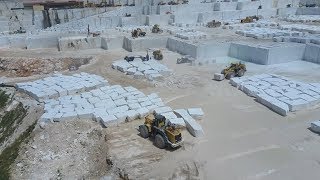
point(9, 154)
point(10, 121)
point(3, 99)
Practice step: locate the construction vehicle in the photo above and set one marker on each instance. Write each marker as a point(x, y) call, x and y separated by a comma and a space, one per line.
point(156, 29)
point(157, 54)
point(213, 24)
point(185, 59)
point(143, 58)
point(164, 134)
point(138, 33)
point(234, 70)
point(161, 3)
point(172, 3)
point(249, 19)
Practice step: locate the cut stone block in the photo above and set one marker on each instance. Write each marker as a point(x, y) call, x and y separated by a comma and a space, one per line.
point(196, 113)
point(178, 121)
point(143, 112)
point(108, 120)
point(218, 76)
point(121, 116)
point(120, 102)
point(145, 103)
point(315, 126)
point(169, 115)
point(131, 71)
point(132, 115)
point(138, 75)
point(161, 110)
point(273, 103)
point(193, 127)
point(134, 106)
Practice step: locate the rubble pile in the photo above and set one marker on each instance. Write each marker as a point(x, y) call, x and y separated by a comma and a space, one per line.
point(23, 67)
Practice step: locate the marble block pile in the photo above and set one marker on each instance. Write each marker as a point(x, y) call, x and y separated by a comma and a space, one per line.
point(265, 33)
point(101, 102)
point(191, 35)
point(314, 39)
point(174, 30)
point(108, 104)
point(302, 18)
point(151, 70)
point(278, 93)
point(312, 29)
point(129, 29)
point(61, 85)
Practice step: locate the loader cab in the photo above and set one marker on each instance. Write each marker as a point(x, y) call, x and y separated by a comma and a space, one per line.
point(159, 121)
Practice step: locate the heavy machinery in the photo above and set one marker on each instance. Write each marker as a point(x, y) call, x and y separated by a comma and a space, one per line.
point(185, 59)
point(157, 54)
point(249, 19)
point(143, 58)
point(138, 33)
point(234, 70)
point(213, 24)
point(164, 134)
point(156, 29)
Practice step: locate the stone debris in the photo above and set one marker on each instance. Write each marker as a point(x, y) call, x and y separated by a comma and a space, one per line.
point(61, 85)
point(278, 93)
point(218, 77)
point(193, 127)
point(151, 70)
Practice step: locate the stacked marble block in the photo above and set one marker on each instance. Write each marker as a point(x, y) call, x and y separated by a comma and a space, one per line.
point(151, 70)
point(265, 33)
point(278, 93)
point(108, 104)
point(191, 35)
point(61, 85)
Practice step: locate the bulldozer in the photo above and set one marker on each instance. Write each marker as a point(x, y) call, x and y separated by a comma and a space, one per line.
point(234, 70)
point(164, 134)
point(157, 54)
point(156, 29)
point(138, 33)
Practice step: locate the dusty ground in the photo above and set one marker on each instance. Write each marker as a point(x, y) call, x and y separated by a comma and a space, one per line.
point(243, 139)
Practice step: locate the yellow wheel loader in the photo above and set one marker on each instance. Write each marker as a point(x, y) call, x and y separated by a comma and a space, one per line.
point(164, 134)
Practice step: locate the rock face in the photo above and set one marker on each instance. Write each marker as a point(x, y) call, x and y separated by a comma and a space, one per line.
point(278, 93)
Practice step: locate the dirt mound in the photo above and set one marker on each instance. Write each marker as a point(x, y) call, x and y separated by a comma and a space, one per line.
point(24, 67)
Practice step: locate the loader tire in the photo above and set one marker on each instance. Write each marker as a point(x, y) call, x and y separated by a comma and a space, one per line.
point(159, 141)
point(230, 75)
point(144, 131)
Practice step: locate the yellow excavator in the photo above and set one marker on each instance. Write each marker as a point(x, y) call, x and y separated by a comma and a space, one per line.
point(164, 133)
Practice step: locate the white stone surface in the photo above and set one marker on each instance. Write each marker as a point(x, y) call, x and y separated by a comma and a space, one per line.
point(278, 93)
